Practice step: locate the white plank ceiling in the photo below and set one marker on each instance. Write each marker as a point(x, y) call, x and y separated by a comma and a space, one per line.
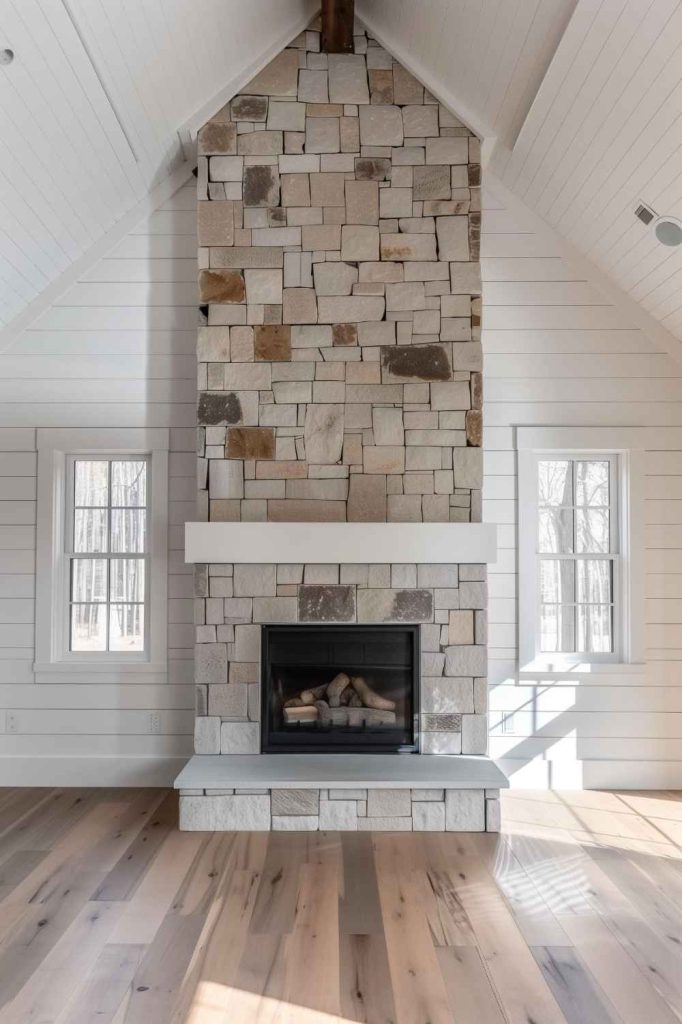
point(583, 96)
point(90, 110)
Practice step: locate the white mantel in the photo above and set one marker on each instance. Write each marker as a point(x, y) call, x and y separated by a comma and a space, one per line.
point(341, 542)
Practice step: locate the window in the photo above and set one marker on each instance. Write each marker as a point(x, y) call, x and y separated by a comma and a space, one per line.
point(101, 550)
point(106, 545)
point(580, 545)
point(577, 559)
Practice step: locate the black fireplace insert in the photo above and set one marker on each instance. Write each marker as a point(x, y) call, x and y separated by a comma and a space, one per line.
point(339, 689)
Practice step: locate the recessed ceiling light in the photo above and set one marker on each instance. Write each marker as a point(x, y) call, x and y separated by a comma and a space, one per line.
point(6, 56)
point(669, 232)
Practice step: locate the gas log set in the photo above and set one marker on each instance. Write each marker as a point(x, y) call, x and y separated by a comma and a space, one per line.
point(346, 700)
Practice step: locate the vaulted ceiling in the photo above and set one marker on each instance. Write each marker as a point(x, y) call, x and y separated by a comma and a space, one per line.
point(582, 99)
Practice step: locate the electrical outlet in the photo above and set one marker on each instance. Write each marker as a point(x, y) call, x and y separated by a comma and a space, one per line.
point(154, 722)
point(11, 723)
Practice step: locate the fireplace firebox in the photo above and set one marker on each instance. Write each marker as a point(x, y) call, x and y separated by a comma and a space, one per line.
point(339, 689)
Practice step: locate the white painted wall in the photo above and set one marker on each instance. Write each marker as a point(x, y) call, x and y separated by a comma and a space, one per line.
point(557, 353)
point(117, 350)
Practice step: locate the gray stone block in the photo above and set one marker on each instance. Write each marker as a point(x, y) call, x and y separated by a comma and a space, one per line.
point(240, 738)
point(295, 823)
point(206, 735)
point(259, 580)
point(224, 813)
point(474, 734)
point(338, 815)
point(295, 801)
point(389, 803)
point(428, 794)
point(466, 660)
point(437, 575)
point(446, 695)
point(493, 815)
point(384, 824)
point(428, 816)
point(394, 605)
point(464, 810)
point(440, 743)
point(210, 664)
point(326, 604)
point(228, 700)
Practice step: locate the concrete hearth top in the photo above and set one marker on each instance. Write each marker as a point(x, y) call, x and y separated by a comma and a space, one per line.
point(330, 771)
point(346, 543)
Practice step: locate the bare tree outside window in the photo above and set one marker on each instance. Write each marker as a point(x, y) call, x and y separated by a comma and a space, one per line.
point(108, 554)
point(576, 548)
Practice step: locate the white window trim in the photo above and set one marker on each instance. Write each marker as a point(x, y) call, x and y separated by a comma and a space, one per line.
point(628, 443)
point(54, 449)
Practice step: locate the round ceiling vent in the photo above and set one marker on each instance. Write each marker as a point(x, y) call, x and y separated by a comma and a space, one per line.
point(669, 232)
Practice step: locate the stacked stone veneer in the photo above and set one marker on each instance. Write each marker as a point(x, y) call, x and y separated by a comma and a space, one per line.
point(339, 378)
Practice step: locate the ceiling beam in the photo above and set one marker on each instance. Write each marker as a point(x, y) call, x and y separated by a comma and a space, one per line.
point(337, 26)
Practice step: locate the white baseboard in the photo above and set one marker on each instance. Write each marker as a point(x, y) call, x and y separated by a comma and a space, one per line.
point(540, 774)
point(90, 771)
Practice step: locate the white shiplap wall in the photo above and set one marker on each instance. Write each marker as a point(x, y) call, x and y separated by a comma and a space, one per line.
point(557, 353)
point(117, 350)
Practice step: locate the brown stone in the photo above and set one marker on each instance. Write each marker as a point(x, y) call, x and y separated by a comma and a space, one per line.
point(279, 77)
point(261, 185)
point(217, 139)
point(273, 343)
point(250, 443)
point(381, 85)
point(221, 286)
point(376, 168)
point(406, 88)
point(250, 108)
point(474, 428)
point(345, 334)
point(423, 362)
point(326, 604)
point(474, 175)
point(476, 390)
point(218, 408)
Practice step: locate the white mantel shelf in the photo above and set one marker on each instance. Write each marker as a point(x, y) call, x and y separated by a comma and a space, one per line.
point(341, 542)
point(344, 771)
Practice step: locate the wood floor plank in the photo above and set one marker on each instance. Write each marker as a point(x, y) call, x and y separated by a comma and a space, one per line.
point(469, 988)
point(418, 986)
point(360, 909)
point(276, 900)
point(105, 986)
point(161, 816)
point(580, 999)
point(366, 992)
point(311, 977)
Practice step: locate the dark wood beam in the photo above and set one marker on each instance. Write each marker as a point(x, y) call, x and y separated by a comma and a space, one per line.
point(337, 26)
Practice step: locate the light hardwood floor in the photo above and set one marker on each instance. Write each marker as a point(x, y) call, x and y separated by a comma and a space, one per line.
point(109, 915)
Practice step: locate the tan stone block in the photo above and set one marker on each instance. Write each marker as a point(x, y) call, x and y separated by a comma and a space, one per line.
point(408, 247)
point(335, 278)
point(381, 125)
point(213, 344)
point(396, 202)
point(349, 128)
point(241, 344)
point(321, 237)
point(348, 78)
point(333, 309)
point(352, 451)
point(284, 470)
point(404, 508)
point(302, 510)
point(260, 144)
point(420, 121)
point(250, 443)
point(461, 627)
point(272, 342)
point(447, 150)
point(406, 88)
point(367, 498)
point(327, 189)
point(278, 78)
point(299, 306)
point(384, 458)
point(313, 86)
point(384, 272)
point(431, 181)
point(215, 222)
point(286, 116)
point(360, 242)
point(295, 190)
point(453, 238)
point(322, 135)
point(263, 286)
point(223, 286)
point(362, 202)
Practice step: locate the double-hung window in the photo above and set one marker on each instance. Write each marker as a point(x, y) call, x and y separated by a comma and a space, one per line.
point(107, 530)
point(102, 557)
point(577, 552)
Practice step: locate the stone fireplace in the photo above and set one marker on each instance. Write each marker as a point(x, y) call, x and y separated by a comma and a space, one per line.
point(339, 453)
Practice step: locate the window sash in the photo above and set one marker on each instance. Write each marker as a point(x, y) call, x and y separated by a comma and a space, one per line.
point(612, 555)
point(71, 555)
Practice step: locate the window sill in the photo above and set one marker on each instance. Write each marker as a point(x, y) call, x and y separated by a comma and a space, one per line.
point(577, 669)
point(106, 667)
